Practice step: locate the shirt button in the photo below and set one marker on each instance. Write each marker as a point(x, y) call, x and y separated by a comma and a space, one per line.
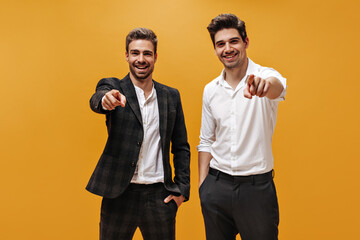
point(133, 164)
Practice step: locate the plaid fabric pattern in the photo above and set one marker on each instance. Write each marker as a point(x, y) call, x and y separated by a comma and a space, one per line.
point(139, 206)
point(117, 163)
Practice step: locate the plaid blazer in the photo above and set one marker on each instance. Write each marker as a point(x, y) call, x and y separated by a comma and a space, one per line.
point(117, 163)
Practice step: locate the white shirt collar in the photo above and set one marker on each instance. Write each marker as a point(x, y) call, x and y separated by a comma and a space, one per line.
point(141, 95)
point(250, 70)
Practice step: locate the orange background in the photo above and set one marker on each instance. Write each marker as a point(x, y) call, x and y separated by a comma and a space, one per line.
point(54, 52)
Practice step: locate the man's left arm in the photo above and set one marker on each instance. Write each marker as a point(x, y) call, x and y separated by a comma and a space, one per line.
point(181, 155)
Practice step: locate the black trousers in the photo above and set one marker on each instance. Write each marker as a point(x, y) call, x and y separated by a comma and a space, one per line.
point(139, 206)
point(246, 205)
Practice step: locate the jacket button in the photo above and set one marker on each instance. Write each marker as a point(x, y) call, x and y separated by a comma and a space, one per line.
point(133, 164)
point(139, 144)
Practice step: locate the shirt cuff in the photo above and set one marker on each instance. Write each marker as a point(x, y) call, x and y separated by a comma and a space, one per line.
point(104, 108)
point(202, 148)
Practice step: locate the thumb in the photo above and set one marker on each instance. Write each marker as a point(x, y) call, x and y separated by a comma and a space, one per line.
point(247, 93)
point(168, 198)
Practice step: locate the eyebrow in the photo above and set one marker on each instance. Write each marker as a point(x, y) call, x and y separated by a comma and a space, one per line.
point(145, 51)
point(228, 40)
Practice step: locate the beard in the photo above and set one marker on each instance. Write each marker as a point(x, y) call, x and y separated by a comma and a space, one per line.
point(231, 65)
point(235, 64)
point(141, 76)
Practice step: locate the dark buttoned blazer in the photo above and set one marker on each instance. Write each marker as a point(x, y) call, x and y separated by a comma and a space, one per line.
point(118, 161)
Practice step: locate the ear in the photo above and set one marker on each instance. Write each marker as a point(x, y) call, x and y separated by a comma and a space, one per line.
point(155, 57)
point(127, 56)
point(246, 42)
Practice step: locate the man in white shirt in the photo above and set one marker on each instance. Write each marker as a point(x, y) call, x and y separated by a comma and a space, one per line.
point(236, 185)
point(134, 174)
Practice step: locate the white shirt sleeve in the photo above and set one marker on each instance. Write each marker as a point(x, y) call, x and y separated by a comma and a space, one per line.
point(207, 132)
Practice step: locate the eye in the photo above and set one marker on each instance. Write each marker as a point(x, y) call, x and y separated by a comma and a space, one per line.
point(235, 41)
point(220, 44)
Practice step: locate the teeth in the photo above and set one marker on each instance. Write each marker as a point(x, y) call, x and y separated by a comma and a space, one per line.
point(230, 56)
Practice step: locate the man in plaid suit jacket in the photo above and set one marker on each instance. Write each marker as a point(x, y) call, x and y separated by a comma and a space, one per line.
point(134, 174)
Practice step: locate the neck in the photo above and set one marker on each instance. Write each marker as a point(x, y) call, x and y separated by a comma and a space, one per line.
point(145, 84)
point(234, 75)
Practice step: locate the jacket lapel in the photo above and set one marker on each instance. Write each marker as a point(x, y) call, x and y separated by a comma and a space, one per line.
point(162, 98)
point(129, 91)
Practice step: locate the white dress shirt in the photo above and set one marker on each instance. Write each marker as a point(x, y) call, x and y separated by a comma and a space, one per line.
point(238, 131)
point(149, 168)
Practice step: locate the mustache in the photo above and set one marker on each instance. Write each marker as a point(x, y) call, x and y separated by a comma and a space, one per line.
point(230, 53)
point(140, 64)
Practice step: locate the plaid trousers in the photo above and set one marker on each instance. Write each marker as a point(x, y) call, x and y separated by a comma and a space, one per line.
point(139, 206)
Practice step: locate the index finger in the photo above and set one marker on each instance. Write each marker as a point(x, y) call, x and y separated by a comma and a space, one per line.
point(116, 94)
point(250, 79)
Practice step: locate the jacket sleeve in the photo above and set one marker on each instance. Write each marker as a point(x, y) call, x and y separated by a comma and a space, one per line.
point(181, 151)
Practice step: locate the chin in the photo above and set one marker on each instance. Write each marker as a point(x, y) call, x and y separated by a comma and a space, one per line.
point(142, 76)
point(231, 65)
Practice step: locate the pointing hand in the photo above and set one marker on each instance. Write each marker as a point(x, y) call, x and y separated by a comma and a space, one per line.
point(112, 99)
point(256, 86)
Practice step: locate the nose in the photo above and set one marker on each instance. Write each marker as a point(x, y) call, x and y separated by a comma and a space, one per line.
point(227, 47)
point(141, 58)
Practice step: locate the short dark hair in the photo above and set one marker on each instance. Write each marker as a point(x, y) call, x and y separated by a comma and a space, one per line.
point(143, 34)
point(227, 20)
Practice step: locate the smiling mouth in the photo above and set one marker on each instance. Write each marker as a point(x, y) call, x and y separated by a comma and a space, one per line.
point(230, 56)
point(141, 68)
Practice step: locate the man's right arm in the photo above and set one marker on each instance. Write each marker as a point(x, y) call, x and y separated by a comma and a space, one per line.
point(204, 164)
point(207, 137)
